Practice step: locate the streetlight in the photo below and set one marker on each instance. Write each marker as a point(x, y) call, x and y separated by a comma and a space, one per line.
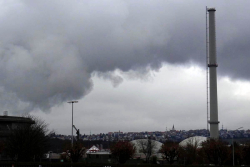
point(72, 121)
point(233, 143)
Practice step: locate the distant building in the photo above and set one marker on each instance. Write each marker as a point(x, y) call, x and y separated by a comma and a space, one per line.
point(94, 154)
point(8, 123)
point(173, 128)
point(196, 140)
point(156, 146)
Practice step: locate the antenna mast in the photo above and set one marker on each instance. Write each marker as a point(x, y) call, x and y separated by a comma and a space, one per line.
point(207, 71)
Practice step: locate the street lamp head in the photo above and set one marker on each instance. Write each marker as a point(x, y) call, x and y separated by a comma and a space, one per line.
point(73, 102)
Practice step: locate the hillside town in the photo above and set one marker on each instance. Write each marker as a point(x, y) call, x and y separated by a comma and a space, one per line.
point(161, 136)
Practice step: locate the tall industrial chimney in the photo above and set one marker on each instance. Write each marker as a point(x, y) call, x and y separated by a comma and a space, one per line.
point(214, 123)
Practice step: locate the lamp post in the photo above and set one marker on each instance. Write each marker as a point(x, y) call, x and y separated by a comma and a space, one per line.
point(233, 143)
point(72, 122)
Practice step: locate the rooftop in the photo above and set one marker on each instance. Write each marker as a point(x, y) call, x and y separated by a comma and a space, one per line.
point(14, 119)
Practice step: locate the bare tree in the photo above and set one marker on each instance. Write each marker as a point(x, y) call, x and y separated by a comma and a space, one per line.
point(170, 151)
point(76, 152)
point(215, 151)
point(123, 151)
point(147, 147)
point(246, 154)
point(28, 142)
point(189, 152)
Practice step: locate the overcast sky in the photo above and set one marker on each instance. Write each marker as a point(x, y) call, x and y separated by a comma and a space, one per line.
point(132, 65)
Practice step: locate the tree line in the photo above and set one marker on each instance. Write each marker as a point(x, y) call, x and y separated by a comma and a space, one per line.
point(211, 151)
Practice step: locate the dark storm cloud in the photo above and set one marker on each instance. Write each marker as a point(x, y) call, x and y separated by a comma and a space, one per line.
point(50, 49)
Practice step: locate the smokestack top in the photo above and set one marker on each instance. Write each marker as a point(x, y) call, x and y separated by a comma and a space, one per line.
point(211, 9)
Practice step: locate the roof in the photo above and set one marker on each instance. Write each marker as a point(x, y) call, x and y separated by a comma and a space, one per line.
point(100, 153)
point(156, 143)
point(193, 140)
point(93, 149)
point(16, 119)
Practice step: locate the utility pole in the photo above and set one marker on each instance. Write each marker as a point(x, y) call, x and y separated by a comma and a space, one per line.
point(72, 140)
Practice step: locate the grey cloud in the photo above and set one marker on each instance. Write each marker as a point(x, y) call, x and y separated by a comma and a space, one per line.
point(49, 49)
point(115, 79)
